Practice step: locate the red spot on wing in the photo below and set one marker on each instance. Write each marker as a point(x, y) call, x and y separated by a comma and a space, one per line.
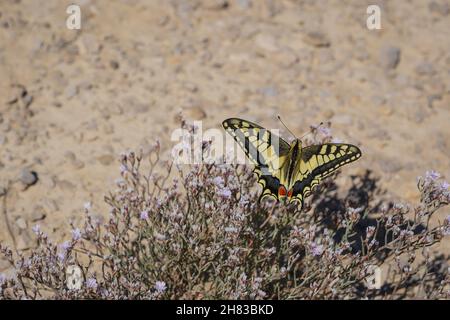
point(290, 193)
point(282, 191)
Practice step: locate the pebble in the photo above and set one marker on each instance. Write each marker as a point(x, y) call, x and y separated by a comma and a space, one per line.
point(317, 39)
point(266, 42)
point(216, 4)
point(114, 64)
point(195, 113)
point(71, 91)
point(37, 214)
point(389, 57)
point(424, 68)
point(443, 8)
point(106, 159)
point(21, 223)
point(28, 177)
point(24, 241)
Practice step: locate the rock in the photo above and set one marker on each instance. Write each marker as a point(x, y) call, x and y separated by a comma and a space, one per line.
point(90, 44)
point(21, 223)
point(316, 39)
point(71, 157)
point(442, 8)
point(189, 86)
point(24, 241)
point(244, 4)
point(139, 108)
point(424, 68)
point(216, 4)
point(3, 139)
point(389, 57)
point(71, 91)
point(106, 159)
point(28, 177)
point(266, 42)
point(270, 91)
point(195, 113)
point(3, 191)
point(37, 214)
point(328, 114)
point(114, 64)
point(65, 185)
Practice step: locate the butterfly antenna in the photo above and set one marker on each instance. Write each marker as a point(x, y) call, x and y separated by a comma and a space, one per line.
point(279, 118)
point(311, 130)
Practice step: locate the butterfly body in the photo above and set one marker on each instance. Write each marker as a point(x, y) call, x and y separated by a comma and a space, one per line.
point(288, 172)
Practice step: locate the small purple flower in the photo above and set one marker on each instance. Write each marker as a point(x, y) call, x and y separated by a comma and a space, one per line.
point(324, 130)
point(91, 283)
point(76, 234)
point(160, 286)
point(432, 175)
point(87, 206)
point(219, 182)
point(230, 229)
point(316, 249)
point(2, 278)
point(225, 193)
point(445, 185)
point(65, 245)
point(123, 169)
point(62, 256)
point(144, 215)
point(37, 229)
point(370, 231)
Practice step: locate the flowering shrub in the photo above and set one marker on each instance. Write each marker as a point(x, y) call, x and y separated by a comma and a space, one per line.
point(203, 234)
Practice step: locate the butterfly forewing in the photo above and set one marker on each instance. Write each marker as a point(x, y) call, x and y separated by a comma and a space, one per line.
point(263, 148)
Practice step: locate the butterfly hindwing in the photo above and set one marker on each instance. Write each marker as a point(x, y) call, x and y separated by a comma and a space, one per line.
point(318, 162)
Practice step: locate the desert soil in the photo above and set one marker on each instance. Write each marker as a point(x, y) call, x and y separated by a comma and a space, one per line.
point(72, 100)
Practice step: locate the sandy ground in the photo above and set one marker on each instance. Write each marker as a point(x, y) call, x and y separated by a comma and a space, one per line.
point(72, 100)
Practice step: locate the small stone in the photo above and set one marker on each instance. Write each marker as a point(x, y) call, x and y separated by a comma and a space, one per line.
point(425, 68)
point(77, 164)
point(269, 91)
point(389, 57)
point(28, 177)
point(70, 155)
point(65, 185)
point(440, 8)
point(195, 113)
point(71, 91)
point(316, 39)
point(114, 64)
point(216, 4)
point(21, 223)
point(106, 159)
point(328, 114)
point(266, 42)
point(24, 241)
point(190, 87)
point(139, 108)
point(37, 214)
point(90, 44)
point(244, 4)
